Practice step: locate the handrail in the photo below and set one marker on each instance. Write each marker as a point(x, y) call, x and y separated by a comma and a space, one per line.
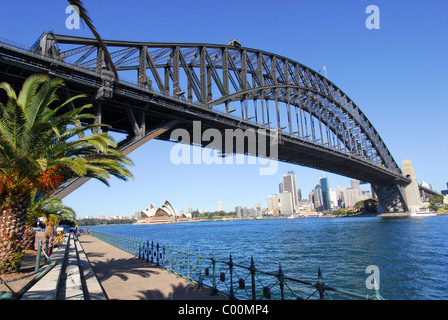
point(227, 277)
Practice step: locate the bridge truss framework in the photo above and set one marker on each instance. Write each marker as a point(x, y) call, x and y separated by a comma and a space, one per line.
point(223, 86)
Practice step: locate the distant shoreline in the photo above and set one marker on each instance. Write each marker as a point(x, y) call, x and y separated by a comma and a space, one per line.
point(362, 215)
point(158, 222)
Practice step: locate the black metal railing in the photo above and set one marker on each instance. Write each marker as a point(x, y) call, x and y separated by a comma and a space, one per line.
point(226, 277)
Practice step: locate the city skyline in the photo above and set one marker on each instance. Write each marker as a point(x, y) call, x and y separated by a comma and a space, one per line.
point(354, 193)
point(396, 75)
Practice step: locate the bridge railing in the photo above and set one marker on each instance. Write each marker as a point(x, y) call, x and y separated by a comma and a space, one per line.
point(226, 277)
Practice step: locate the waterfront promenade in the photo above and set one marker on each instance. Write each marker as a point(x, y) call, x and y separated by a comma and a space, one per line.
point(125, 277)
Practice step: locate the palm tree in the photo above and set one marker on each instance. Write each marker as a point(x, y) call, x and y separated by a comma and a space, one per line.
point(84, 15)
point(52, 209)
point(42, 147)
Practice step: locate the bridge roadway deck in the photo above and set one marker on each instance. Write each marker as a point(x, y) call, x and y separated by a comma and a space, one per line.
point(125, 277)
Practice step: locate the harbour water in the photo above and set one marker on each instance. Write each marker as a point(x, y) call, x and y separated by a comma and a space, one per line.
point(411, 253)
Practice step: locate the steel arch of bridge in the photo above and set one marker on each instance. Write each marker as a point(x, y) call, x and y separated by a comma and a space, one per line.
point(218, 75)
point(226, 85)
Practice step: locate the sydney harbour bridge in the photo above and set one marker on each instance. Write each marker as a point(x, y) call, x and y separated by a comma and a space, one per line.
point(172, 85)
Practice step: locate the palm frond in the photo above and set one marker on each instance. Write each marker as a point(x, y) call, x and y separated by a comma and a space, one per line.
point(41, 148)
point(42, 100)
point(29, 89)
point(84, 15)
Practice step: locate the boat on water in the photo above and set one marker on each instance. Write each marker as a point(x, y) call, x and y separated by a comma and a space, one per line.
point(423, 213)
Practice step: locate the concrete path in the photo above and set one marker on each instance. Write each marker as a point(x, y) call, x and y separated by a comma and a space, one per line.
point(125, 277)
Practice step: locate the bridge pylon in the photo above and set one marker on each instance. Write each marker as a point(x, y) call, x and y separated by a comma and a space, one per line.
point(391, 197)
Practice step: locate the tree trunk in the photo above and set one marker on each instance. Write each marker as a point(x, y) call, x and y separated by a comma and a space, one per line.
point(29, 239)
point(12, 230)
point(49, 231)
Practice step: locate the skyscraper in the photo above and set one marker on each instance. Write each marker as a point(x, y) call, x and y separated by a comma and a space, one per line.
point(325, 189)
point(357, 187)
point(350, 196)
point(286, 203)
point(445, 192)
point(273, 205)
point(289, 184)
point(316, 197)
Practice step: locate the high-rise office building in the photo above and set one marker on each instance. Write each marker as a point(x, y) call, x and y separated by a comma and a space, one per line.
point(333, 200)
point(325, 189)
point(273, 205)
point(286, 203)
point(445, 192)
point(351, 196)
point(357, 187)
point(241, 212)
point(258, 209)
point(238, 211)
point(220, 206)
point(289, 184)
point(339, 196)
point(315, 197)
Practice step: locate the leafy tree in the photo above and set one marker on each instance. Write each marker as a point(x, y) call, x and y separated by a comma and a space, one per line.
point(42, 147)
point(367, 206)
point(53, 210)
point(435, 202)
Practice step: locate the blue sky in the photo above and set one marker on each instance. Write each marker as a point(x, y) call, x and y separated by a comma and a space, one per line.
point(396, 75)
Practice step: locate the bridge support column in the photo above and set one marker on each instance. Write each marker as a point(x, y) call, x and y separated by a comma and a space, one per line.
point(391, 197)
point(412, 192)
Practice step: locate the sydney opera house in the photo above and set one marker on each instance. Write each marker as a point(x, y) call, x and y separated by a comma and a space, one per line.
point(166, 213)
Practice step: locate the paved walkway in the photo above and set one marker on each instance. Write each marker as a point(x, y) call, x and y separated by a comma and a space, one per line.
point(125, 277)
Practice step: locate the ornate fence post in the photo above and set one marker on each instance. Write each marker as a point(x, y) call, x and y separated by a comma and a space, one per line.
point(200, 266)
point(188, 264)
point(214, 288)
point(147, 250)
point(252, 276)
point(178, 262)
point(232, 297)
point(170, 270)
point(158, 263)
point(163, 256)
point(280, 277)
point(320, 285)
point(139, 250)
point(152, 251)
point(134, 246)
